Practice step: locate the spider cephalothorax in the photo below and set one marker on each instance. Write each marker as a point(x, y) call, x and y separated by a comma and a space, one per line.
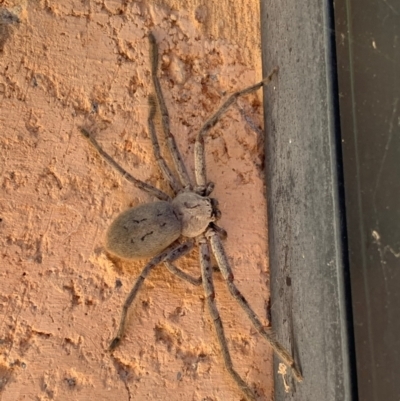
point(167, 229)
point(196, 212)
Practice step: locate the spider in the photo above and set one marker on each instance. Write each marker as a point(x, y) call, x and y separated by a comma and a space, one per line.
point(169, 228)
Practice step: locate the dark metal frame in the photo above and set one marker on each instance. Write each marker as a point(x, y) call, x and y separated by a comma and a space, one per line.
point(333, 187)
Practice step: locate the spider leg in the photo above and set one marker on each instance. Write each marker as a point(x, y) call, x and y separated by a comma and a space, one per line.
point(172, 146)
point(221, 232)
point(268, 334)
point(183, 275)
point(176, 187)
point(200, 163)
point(169, 255)
point(139, 184)
point(206, 272)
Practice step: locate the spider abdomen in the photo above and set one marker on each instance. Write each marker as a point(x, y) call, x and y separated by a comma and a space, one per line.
point(143, 231)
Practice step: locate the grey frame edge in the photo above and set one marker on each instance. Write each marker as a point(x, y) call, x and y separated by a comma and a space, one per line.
point(307, 248)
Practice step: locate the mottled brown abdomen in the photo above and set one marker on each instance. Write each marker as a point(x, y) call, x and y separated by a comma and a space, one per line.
point(143, 231)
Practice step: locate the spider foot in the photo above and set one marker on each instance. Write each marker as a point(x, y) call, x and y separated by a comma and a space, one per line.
point(84, 132)
point(114, 343)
